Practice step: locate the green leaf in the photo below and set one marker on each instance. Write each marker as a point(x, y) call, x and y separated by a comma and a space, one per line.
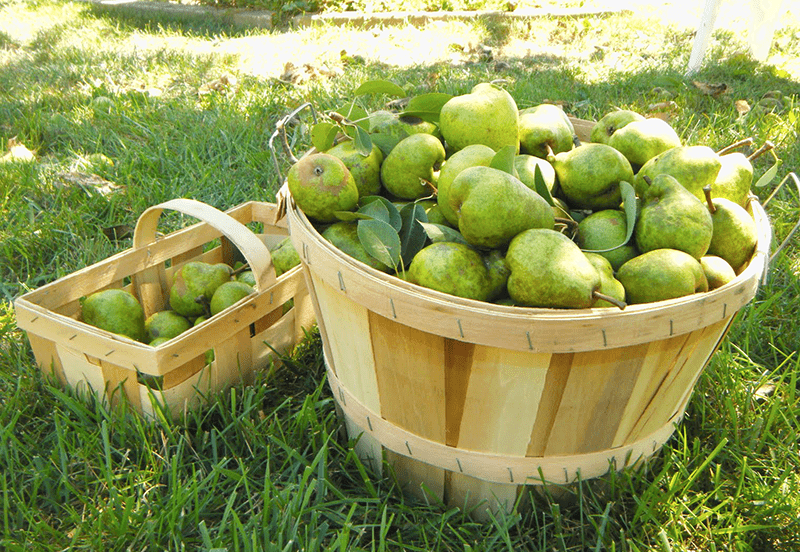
point(412, 234)
point(323, 135)
point(503, 160)
point(387, 210)
point(386, 142)
point(355, 115)
point(427, 106)
point(350, 216)
point(440, 233)
point(541, 187)
point(380, 87)
point(380, 240)
point(769, 176)
point(629, 201)
point(363, 142)
point(375, 210)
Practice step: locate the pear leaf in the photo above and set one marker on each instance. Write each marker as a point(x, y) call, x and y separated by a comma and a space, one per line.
point(541, 187)
point(380, 87)
point(350, 216)
point(412, 234)
point(769, 176)
point(323, 135)
point(355, 115)
point(380, 240)
point(380, 208)
point(441, 233)
point(503, 160)
point(386, 142)
point(363, 142)
point(427, 106)
point(629, 204)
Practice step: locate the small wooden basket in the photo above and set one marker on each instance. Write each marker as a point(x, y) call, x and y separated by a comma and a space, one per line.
point(244, 337)
point(472, 401)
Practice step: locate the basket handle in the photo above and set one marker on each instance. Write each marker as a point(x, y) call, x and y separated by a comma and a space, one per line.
point(253, 249)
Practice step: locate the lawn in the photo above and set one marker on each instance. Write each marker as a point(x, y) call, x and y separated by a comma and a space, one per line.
point(102, 116)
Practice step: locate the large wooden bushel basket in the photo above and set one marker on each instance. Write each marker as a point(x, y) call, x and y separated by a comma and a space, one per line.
point(177, 375)
point(471, 401)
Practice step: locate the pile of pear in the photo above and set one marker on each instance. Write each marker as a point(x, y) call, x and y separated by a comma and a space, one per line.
point(199, 291)
point(692, 232)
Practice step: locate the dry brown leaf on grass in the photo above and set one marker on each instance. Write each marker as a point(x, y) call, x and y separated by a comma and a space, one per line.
point(118, 232)
point(712, 89)
point(17, 152)
point(742, 107)
point(294, 74)
point(223, 84)
point(90, 183)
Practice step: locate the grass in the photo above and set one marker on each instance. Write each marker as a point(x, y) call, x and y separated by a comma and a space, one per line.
point(264, 467)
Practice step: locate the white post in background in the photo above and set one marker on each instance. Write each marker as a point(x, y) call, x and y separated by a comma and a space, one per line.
point(764, 18)
point(703, 34)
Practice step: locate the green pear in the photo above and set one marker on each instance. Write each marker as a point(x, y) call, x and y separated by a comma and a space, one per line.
point(284, 256)
point(434, 211)
point(604, 230)
point(734, 179)
point(227, 294)
point(488, 115)
point(661, 274)
point(718, 271)
point(474, 155)
point(344, 236)
point(388, 128)
point(672, 217)
point(166, 324)
point(366, 169)
point(610, 123)
point(248, 277)
point(494, 206)
point(320, 185)
point(408, 170)
point(549, 270)
point(498, 271)
point(609, 286)
point(158, 341)
point(456, 269)
point(209, 354)
point(639, 141)
point(116, 311)
point(194, 286)
point(693, 166)
point(589, 176)
point(734, 235)
point(526, 171)
point(543, 129)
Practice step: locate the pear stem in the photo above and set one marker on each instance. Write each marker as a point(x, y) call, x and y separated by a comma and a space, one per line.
point(761, 151)
point(569, 224)
point(736, 145)
point(550, 153)
point(245, 267)
point(711, 206)
point(613, 300)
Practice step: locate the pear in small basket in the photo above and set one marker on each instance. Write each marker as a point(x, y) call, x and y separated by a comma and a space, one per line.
point(474, 155)
point(194, 286)
point(589, 176)
point(411, 168)
point(366, 169)
point(718, 271)
point(734, 179)
point(227, 294)
point(639, 141)
point(166, 324)
point(735, 235)
point(693, 166)
point(116, 311)
point(284, 256)
point(488, 115)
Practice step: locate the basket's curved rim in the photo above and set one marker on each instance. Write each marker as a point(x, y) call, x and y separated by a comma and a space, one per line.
point(673, 316)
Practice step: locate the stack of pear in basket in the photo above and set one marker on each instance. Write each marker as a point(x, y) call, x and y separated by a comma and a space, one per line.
point(472, 196)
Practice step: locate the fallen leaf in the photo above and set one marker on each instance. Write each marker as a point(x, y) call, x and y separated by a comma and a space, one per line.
point(90, 183)
point(765, 391)
point(222, 84)
point(663, 106)
point(118, 232)
point(712, 89)
point(17, 152)
point(741, 106)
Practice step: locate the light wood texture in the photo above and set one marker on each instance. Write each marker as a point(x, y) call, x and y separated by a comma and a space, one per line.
point(110, 365)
